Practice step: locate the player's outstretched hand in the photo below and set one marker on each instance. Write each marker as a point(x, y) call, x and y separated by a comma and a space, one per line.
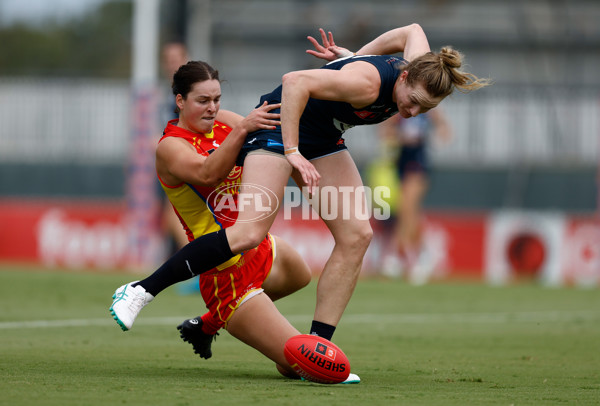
point(328, 51)
point(261, 118)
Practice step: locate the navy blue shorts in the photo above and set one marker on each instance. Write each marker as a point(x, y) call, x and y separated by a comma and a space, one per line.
point(412, 158)
point(272, 141)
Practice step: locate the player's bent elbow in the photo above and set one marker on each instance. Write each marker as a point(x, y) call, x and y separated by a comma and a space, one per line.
point(417, 30)
point(288, 77)
point(291, 79)
point(213, 181)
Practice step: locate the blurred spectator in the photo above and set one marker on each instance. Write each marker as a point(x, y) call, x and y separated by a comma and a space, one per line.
point(410, 138)
point(174, 54)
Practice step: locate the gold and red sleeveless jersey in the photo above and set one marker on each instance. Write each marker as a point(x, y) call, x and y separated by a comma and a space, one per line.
point(203, 209)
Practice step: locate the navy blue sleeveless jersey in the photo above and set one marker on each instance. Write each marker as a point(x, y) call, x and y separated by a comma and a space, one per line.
point(323, 122)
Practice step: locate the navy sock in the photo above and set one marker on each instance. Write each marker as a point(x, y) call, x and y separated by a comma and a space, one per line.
point(199, 256)
point(322, 330)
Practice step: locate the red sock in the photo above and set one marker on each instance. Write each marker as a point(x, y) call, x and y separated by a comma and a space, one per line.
point(210, 325)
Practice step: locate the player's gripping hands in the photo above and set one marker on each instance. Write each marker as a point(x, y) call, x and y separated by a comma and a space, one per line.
point(261, 118)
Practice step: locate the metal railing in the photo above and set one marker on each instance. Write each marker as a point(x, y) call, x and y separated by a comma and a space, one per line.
point(48, 121)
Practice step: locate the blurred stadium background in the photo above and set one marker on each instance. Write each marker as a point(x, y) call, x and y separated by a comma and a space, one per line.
point(515, 194)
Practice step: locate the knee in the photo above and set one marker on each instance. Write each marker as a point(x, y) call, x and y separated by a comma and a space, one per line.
point(358, 240)
point(365, 237)
point(304, 276)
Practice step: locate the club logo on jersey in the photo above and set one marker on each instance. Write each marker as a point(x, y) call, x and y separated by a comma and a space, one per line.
point(366, 115)
point(397, 63)
point(235, 173)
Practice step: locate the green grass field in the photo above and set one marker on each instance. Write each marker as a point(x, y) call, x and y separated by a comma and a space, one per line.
point(442, 344)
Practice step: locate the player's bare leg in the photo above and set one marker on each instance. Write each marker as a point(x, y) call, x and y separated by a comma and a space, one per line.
point(248, 325)
point(262, 172)
point(289, 272)
point(352, 236)
point(409, 226)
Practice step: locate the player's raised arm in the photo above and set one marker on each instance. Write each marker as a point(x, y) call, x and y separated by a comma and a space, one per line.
point(328, 50)
point(410, 40)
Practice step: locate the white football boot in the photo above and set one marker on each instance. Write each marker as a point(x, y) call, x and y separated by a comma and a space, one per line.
point(127, 304)
point(352, 378)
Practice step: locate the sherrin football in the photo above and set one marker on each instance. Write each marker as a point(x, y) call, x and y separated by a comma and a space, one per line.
point(316, 359)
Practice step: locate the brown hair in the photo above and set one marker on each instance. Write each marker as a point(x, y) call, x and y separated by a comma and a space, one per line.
point(440, 74)
point(189, 74)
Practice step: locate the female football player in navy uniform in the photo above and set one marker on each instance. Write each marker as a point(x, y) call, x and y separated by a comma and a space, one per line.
point(317, 107)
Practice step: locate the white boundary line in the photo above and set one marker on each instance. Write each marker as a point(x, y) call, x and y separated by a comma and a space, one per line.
point(416, 318)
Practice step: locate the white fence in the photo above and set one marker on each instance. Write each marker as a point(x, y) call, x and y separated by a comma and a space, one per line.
point(47, 121)
point(533, 126)
point(54, 121)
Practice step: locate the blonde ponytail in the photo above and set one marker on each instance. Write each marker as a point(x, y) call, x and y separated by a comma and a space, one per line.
point(440, 74)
